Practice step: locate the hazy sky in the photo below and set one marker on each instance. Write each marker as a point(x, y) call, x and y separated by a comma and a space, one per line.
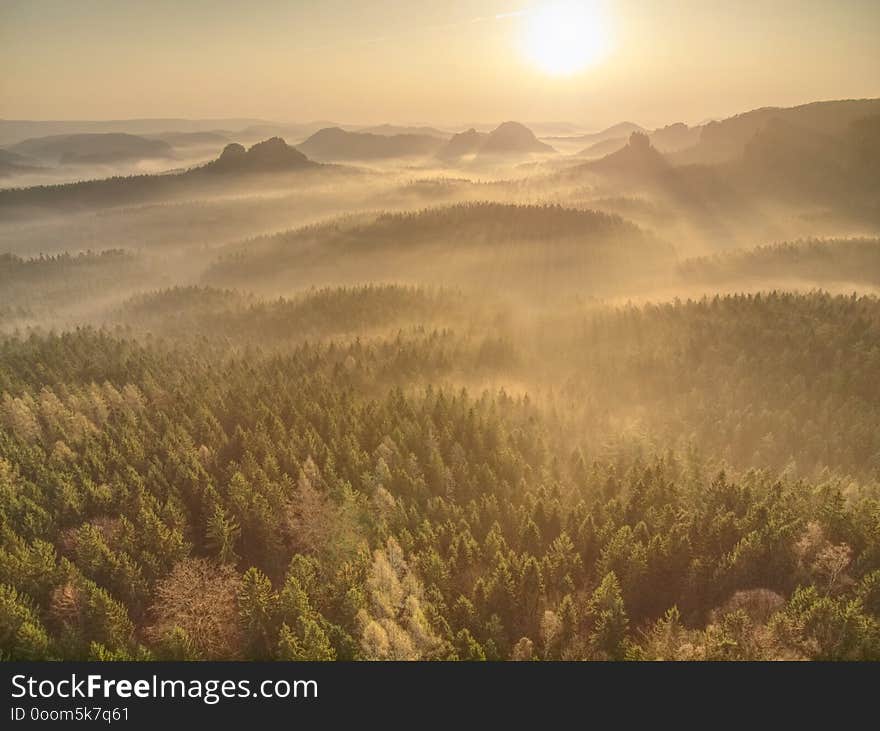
point(649, 61)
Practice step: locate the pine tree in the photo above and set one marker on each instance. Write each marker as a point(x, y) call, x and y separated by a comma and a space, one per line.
point(257, 605)
point(22, 635)
point(309, 644)
point(467, 648)
point(609, 619)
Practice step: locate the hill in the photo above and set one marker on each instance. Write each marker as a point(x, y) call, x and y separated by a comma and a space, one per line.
point(814, 262)
point(463, 144)
point(512, 138)
point(621, 130)
point(93, 149)
point(665, 139)
point(199, 312)
point(65, 285)
point(674, 137)
point(638, 158)
point(235, 165)
point(604, 147)
point(11, 163)
point(727, 139)
point(289, 130)
point(272, 155)
point(526, 250)
point(390, 130)
point(16, 130)
point(334, 143)
point(192, 139)
point(803, 165)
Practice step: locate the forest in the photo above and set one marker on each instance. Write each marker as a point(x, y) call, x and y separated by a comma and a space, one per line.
point(262, 482)
point(528, 405)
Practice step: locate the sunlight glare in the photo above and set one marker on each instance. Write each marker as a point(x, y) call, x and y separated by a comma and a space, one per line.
point(562, 38)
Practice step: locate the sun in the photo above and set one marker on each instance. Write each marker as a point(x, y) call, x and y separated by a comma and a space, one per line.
point(562, 38)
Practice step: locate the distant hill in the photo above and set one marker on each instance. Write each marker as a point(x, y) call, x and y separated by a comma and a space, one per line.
point(727, 139)
point(708, 197)
point(522, 247)
point(675, 137)
point(637, 158)
point(93, 149)
point(334, 143)
point(15, 158)
point(781, 147)
point(814, 262)
point(463, 144)
point(269, 156)
point(12, 163)
point(205, 311)
point(604, 147)
point(789, 159)
point(553, 129)
point(800, 167)
point(16, 130)
point(863, 146)
point(666, 139)
point(621, 130)
point(192, 139)
point(294, 131)
point(509, 139)
point(389, 130)
point(63, 283)
point(236, 164)
point(512, 138)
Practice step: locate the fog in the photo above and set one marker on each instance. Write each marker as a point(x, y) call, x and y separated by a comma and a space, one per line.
point(443, 361)
point(508, 259)
point(537, 226)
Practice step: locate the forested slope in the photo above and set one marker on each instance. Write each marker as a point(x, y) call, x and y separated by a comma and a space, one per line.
point(238, 494)
point(512, 248)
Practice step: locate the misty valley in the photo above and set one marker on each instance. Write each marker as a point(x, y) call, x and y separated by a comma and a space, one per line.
point(514, 392)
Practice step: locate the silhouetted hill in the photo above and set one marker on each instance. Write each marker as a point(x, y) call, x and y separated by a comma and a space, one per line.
point(334, 143)
point(192, 139)
point(269, 156)
point(507, 139)
point(15, 158)
point(863, 147)
point(790, 160)
point(518, 248)
point(390, 130)
point(235, 164)
point(814, 262)
point(512, 138)
point(621, 130)
point(11, 163)
point(727, 139)
point(208, 312)
point(707, 197)
point(670, 138)
point(289, 131)
point(64, 282)
point(637, 158)
point(674, 137)
point(16, 130)
point(93, 149)
point(604, 147)
point(782, 149)
point(463, 144)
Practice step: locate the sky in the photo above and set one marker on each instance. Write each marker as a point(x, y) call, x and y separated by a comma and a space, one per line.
point(593, 62)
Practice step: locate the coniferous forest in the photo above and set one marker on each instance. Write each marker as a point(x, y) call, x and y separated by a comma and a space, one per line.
point(544, 391)
point(264, 482)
